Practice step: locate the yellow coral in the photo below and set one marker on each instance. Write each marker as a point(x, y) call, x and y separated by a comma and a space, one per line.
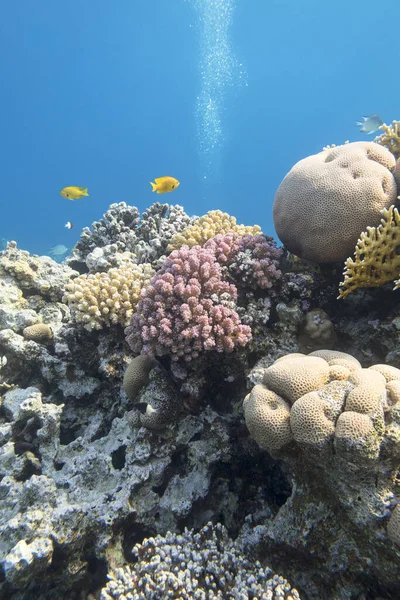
point(207, 227)
point(390, 138)
point(105, 299)
point(376, 260)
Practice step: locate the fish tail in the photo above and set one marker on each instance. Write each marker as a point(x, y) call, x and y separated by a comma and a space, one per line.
point(154, 186)
point(85, 192)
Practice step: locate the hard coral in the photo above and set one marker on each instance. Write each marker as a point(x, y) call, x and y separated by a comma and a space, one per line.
point(208, 226)
point(39, 333)
point(327, 199)
point(206, 565)
point(104, 299)
point(252, 261)
point(122, 233)
point(376, 260)
point(187, 309)
point(38, 274)
point(390, 138)
point(323, 407)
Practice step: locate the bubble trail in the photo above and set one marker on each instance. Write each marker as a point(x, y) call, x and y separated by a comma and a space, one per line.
point(219, 71)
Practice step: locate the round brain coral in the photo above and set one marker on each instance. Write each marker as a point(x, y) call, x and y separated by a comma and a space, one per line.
point(267, 418)
point(39, 333)
point(327, 199)
point(294, 377)
point(137, 375)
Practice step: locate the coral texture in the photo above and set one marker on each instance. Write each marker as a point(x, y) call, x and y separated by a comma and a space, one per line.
point(376, 260)
point(252, 261)
point(347, 410)
point(122, 231)
point(187, 309)
point(390, 139)
point(38, 274)
point(341, 447)
point(40, 333)
point(195, 566)
point(208, 226)
point(103, 299)
point(327, 199)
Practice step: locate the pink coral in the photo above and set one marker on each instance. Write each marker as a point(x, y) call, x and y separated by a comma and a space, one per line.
point(187, 309)
point(252, 261)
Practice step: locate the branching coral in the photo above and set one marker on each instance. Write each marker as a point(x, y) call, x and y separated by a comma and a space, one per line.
point(195, 566)
point(252, 261)
point(122, 230)
point(104, 299)
point(187, 309)
point(376, 260)
point(208, 226)
point(390, 138)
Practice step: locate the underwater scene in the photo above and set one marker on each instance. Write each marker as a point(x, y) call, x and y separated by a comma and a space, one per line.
point(199, 300)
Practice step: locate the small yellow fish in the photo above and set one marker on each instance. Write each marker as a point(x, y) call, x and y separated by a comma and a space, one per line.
point(164, 184)
point(74, 192)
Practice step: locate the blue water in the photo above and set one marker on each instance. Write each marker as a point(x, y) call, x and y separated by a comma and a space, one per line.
point(225, 95)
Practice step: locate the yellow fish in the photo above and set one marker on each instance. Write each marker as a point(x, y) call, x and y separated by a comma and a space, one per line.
point(74, 192)
point(164, 184)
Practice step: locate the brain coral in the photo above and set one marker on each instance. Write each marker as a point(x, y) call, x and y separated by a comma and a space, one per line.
point(319, 398)
point(327, 199)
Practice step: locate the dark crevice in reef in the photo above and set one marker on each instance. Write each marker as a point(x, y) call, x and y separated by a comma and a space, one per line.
point(134, 533)
point(118, 457)
point(178, 466)
point(255, 484)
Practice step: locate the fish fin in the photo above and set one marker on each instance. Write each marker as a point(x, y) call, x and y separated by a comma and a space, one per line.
point(153, 185)
point(158, 179)
point(359, 124)
point(159, 191)
point(85, 192)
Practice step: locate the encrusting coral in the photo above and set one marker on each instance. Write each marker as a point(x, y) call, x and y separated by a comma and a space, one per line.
point(327, 199)
point(376, 259)
point(208, 226)
point(102, 299)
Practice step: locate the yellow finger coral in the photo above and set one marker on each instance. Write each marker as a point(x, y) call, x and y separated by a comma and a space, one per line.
point(207, 227)
point(105, 299)
point(376, 260)
point(390, 138)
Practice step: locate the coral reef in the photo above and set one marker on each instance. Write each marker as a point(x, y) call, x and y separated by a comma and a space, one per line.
point(327, 199)
point(390, 139)
point(187, 309)
point(337, 427)
point(208, 226)
point(104, 299)
point(106, 459)
point(317, 332)
point(40, 275)
point(198, 566)
point(376, 259)
point(123, 236)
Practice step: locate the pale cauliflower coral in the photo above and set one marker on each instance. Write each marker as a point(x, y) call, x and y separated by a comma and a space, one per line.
point(104, 299)
point(208, 226)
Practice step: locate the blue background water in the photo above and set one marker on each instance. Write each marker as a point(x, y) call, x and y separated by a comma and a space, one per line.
point(225, 95)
